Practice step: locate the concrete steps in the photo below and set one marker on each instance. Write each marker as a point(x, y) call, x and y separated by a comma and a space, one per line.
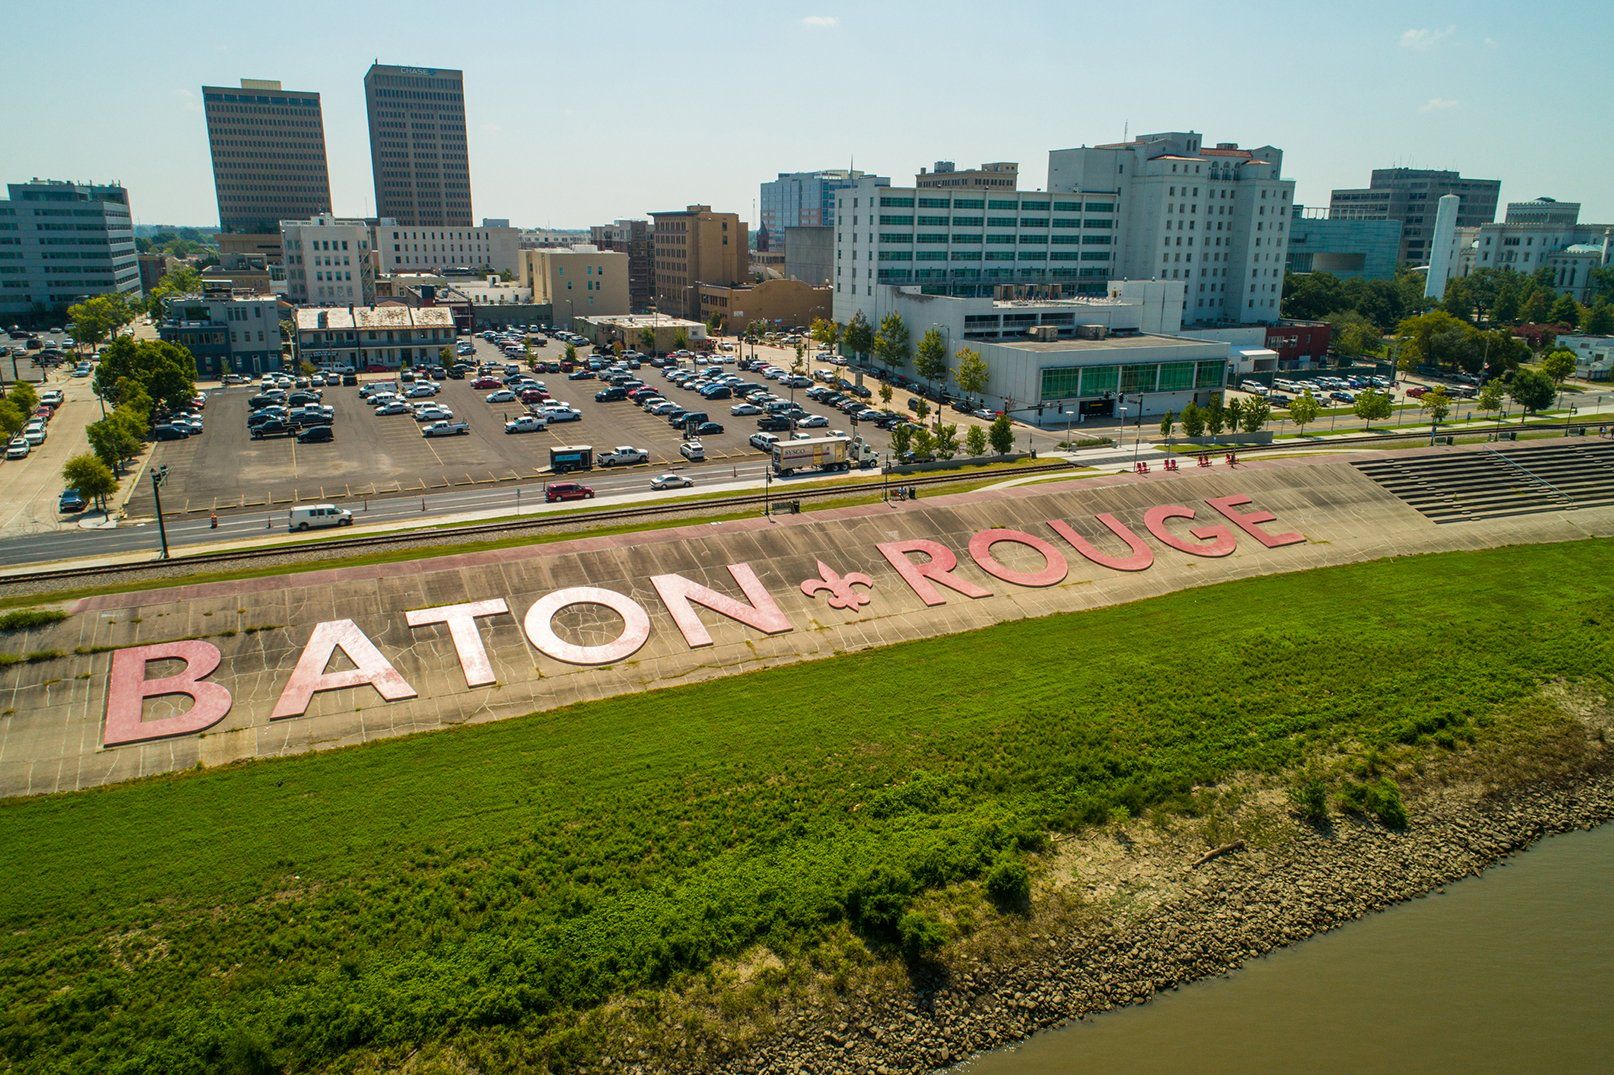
point(1495, 482)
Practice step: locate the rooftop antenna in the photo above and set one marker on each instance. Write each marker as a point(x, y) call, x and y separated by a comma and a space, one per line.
point(1126, 131)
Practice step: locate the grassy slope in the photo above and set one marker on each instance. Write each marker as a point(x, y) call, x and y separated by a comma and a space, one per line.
point(491, 880)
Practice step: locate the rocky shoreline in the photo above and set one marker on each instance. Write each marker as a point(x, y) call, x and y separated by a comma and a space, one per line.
point(1212, 919)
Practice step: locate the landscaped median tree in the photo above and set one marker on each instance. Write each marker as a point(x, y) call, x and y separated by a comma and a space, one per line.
point(1255, 413)
point(1532, 390)
point(1491, 398)
point(975, 441)
point(91, 477)
point(1215, 417)
point(1303, 410)
point(825, 332)
point(946, 441)
point(1233, 414)
point(164, 372)
point(1001, 435)
point(930, 360)
point(885, 394)
point(96, 319)
point(12, 419)
point(1166, 422)
point(1193, 420)
point(1437, 405)
point(1372, 406)
point(116, 438)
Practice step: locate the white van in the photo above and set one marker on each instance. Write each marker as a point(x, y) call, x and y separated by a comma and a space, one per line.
point(315, 516)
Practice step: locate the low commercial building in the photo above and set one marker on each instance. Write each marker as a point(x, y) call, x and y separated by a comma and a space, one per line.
point(1346, 246)
point(328, 261)
point(62, 242)
point(229, 331)
point(373, 337)
point(629, 330)
point(576, 281)
point(773, 303)
point(635, 239)
point(1594, 356)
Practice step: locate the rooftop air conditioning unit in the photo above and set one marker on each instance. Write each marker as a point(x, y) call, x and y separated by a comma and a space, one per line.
point(1043, 333)
point(1091, 332)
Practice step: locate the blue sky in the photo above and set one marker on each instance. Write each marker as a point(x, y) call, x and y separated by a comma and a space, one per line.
point(582, 112)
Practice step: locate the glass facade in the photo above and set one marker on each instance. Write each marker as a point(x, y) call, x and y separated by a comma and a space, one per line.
point(1089, 382)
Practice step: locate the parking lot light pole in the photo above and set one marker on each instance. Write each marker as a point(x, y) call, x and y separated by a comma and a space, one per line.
point(157, 478)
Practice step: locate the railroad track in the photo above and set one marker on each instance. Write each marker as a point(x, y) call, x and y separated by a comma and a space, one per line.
point(562, 521)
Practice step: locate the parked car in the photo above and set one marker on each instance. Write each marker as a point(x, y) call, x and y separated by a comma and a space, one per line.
point(623, 455)
point(17, 449)
point(707, 429)
point(693, 451)
point(526, 423)
point(671, 481)
point(743, 409)
point(812, 421)
point(173, 432)
point(503, 395)
point(274, 427)
point(558, 491)
point(610, 395)
point(316, 435)
point(444, 428)
point(70, 502)
point(396, 406)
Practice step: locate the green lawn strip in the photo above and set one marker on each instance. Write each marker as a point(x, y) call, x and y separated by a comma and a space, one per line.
point(495, 880)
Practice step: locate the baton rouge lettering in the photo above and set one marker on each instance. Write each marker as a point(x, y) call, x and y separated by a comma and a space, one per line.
point(928, 568)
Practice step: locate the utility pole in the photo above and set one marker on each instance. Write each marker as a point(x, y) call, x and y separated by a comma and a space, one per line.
point(158, 476)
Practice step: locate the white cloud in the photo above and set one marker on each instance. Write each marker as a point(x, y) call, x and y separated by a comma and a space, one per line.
point(1491, 43)
point(821, 22)
point(1422, 39)
point(193, 103)
point(1437, 104)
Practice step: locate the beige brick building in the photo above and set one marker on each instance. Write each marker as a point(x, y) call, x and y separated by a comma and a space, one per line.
point(577, 281)
point(696, 246)
point(786, 303)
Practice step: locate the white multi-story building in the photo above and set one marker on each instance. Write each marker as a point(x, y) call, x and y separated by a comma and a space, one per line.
point(328, 261)
point(401, 248)
point(966, 242)
point(1215, 218)
point(62, 242)
point(374, 337)
point(1542, 234)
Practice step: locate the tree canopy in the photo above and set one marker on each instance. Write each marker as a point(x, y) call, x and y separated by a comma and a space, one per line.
point(892, 343)
point(859, 336)
point(970, 373)
point(930, 359)
point(180, 280)
point(1532, 389)
point(165, 373)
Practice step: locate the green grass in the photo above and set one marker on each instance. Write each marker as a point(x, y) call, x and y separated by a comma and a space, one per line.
point(485, 886)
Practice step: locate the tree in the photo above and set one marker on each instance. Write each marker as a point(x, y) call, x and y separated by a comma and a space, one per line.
point(1193, 420)
point(1255, 414)
point(1559, 364)
point(116, 438)
point(825, 332)
point(24, 396)
point(892, 343)
point(96, 319)
point(946, 441)
point(1566, 311)
point(1303, 410)
point(1439, 339)
point(1372, 406)
point(859, 336)
point(1537, 308)
point(1491, 397)
point(1166, 422)
point(571, 352)
point(163, 372)
point(1354, 335)
point(1436, 404)
point(1599, 320)
point(1001, 435)
point(647, 341)
point(902, 440)
point(91, 477)
point(180, 280)
point(1532, 390)
point(12, 419)
point(921, 408)
point(1233, 414)
point(680, 340)
point(975, 440)
point(971, 374)
point(924, 443)
point(1215, 418)
point(885, 394)
point(798, 365)
point(930, 360)
point(714, 323)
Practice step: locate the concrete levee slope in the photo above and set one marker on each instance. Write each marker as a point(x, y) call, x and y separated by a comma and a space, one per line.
point(167, 679)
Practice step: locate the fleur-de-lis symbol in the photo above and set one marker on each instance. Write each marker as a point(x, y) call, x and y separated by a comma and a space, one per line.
point(839, 587)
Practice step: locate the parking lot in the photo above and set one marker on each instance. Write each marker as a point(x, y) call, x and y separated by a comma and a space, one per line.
point(376, 456)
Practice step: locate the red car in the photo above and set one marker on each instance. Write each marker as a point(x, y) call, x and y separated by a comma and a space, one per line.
point(1417, 392)
point(567, 491)
point(533, 395)
point(487, 382)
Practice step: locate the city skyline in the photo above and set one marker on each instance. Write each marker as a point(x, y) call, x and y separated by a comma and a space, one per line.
point(1420, 89)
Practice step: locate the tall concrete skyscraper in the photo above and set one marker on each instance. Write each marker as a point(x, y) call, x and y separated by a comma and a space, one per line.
point(268, 147)
point(417, 145)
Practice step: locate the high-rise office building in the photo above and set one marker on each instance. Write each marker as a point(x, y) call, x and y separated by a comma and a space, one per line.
point(807, 199)
point(62, 242)
point(1410, 195)
point(1216, 218)
point(268, 146)
point(417, 145)
point(633, 238)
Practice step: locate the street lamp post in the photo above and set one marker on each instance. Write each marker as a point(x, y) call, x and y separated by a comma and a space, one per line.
point(158, 476)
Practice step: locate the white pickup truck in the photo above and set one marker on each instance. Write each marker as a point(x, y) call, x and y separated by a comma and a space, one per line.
point(445, 429)
point(622, 456)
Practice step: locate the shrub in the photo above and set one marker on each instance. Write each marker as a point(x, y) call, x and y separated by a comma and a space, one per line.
point(22, 619)
point(1310, 797)
point(921, 935)
point(1380, 799)
point(1008, 885)
point(877, 900)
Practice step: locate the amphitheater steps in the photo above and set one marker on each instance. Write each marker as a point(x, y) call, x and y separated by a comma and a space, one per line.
point(1496, 482)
